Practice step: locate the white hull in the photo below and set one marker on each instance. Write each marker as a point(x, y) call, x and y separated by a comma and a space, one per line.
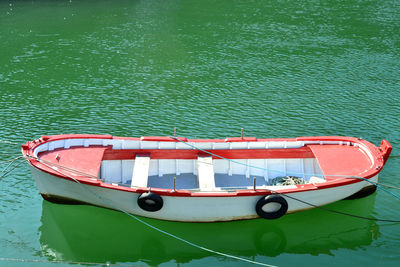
point(187, 209)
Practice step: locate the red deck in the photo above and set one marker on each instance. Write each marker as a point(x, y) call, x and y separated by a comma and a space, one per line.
point(83, 159)
point(341, 160)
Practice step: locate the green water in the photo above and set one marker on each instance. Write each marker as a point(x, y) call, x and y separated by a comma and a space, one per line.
point(209, 68)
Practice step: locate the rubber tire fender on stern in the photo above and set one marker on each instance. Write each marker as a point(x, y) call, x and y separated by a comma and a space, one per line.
point(270, 199)
point(150, 202)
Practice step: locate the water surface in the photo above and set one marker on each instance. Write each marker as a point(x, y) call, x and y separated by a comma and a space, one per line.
point(209, 68)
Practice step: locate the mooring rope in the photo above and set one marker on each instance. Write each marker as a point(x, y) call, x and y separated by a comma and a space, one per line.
point(6, 171)
point(389, 186)
point(9, 160)
point(371, 182)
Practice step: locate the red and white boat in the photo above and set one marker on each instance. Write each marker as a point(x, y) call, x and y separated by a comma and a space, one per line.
point(203, 180)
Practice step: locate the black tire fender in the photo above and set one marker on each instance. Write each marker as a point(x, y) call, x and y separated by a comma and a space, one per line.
point(150, 202)
point(271, 214)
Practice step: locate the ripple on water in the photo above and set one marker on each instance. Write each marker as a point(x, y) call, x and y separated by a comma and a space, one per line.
point(209, 68)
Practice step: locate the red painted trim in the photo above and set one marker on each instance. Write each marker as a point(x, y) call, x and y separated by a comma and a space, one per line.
point(126, 154)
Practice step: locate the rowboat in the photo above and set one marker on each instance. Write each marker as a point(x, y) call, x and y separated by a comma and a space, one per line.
point(204, 180)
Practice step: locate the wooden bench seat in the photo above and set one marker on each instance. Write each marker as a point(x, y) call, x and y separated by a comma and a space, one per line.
point(140, 174)
point(205, 170)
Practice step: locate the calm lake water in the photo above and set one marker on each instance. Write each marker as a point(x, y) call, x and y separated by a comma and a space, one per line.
point(209, 68)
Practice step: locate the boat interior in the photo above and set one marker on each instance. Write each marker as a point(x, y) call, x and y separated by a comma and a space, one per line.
point(203, 166)
point(206, 173)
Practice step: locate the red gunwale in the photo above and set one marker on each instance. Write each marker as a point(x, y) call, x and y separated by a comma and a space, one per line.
point(379, 154)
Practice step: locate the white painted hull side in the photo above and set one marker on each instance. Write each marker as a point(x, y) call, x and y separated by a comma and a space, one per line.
point(188, 209)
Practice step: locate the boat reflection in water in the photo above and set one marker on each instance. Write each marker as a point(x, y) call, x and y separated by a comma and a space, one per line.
point(91, 234)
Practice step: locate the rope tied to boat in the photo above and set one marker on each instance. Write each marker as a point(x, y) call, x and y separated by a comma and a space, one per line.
point(8, 169)
point(287, 180)
point(388, 186)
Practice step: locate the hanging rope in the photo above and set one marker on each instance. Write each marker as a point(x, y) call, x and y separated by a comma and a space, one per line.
point(373, 183)
point(9, 160)
point(6, 170)
point(388, 186)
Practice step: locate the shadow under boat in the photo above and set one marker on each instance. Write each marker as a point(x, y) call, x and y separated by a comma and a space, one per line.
point(91, 234)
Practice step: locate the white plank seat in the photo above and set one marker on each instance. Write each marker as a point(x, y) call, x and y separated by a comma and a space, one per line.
point(205, 173)
point(140, 172)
